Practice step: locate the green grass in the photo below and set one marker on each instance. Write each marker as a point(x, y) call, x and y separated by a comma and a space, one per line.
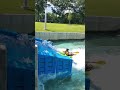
point(55, 27)
point(15, 7)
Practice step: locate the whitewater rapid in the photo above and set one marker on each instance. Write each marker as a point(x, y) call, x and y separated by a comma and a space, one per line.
point(78, 59)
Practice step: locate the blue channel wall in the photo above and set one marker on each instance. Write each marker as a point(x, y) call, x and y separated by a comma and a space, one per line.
point(51, 62)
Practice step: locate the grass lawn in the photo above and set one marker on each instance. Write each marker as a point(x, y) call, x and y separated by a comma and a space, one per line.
point(15, 7)
point(54, 27)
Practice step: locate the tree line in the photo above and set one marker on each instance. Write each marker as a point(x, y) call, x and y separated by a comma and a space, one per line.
point(64, 11)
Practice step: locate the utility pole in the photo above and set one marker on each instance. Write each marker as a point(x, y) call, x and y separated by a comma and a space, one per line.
point(45, 24)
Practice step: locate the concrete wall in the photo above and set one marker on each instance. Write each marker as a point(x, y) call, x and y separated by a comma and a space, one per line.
point(94, 23)
point(18, 23)
point(3, 68)
point(59, 35)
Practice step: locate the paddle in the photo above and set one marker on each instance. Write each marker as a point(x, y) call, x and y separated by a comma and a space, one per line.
point(75, 52)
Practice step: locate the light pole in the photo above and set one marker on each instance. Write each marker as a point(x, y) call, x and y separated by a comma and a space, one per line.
point(45, 24)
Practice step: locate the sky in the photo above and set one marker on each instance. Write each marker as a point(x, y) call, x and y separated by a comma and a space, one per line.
point(49, 8)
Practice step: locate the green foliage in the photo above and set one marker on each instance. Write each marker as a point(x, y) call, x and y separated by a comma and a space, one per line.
point(60, 7)
point(39, 9)
point(52, 17)
point(76, 6)
point(69, 17)
point(59, 15)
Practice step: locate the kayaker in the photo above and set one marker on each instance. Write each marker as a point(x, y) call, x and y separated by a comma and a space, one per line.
point(68, 53)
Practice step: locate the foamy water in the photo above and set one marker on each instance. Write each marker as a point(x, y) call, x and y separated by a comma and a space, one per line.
point(77, 81)
point(78, 59)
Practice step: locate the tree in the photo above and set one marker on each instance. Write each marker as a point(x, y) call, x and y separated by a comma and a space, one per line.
point(39, 8)
point(79, 9)
point(59, 8)
point(59, 11)
point(77, 6)
point(69, 17)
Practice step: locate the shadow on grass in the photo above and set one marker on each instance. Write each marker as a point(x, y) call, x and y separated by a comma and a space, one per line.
point(50, 30)
point(76, 24)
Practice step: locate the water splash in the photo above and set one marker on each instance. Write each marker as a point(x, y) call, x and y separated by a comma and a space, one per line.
point(79, 59)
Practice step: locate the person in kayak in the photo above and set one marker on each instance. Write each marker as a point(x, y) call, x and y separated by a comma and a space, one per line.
point(68, 53)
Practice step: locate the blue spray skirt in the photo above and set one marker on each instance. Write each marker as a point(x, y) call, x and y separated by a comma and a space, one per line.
point(51, 64)
point(20, 60)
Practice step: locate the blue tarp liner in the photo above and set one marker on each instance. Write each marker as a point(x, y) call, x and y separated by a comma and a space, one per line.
point(50, 62)
point(20, 60)
point(46, 48)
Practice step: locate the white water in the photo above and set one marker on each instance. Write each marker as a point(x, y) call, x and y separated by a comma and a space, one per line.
point(77, 81)
point(78, 59)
